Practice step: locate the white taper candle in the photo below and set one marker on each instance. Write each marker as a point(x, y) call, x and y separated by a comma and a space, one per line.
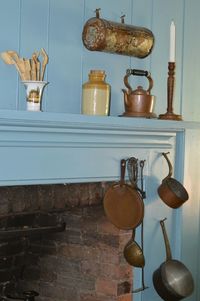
point(172, 47)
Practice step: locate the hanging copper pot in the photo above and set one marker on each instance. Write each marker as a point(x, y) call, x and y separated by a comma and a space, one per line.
point(172, 192)
point(172, 280)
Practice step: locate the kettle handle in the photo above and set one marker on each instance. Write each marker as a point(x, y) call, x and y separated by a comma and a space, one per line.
point(138, 73)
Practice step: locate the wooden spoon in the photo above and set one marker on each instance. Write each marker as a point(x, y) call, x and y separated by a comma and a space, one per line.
point(33, 69)
point(27, 66)
point(35, 56)
point(19, 62)
point(8, 58)
point(44, 63)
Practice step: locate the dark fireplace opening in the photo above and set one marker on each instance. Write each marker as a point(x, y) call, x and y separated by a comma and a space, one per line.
point(55, 240)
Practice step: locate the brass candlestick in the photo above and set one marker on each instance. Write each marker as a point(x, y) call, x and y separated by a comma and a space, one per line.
point(169, 115)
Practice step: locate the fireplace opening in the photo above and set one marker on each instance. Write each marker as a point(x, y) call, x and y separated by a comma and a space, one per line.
point(57, 244)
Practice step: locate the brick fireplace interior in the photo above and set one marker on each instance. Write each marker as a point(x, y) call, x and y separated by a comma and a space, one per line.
point(81, 262)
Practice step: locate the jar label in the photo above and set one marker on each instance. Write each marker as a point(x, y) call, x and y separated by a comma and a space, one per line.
point(95, 102)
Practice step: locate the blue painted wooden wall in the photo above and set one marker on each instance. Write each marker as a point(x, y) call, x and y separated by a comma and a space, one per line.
point(26, 26)
point(56, 25)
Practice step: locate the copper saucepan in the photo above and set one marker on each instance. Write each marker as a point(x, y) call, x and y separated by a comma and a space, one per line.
point(172, 192)
point(172, 280)
point(123, 204)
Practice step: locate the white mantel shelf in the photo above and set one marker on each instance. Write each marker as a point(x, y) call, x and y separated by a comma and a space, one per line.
point(44, 148)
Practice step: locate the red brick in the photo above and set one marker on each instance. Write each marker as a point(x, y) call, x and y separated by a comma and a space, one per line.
point(126, 297)
point(92, 253)
point(106, 227)
point(95, 297)
point(89, 253)
point(109, 271)
point(109, 255)
point(71, 251)
point(124, 238)
point(105, 287)
point(124, 287)
point(84, 194)
point(88, 267)
point(58, 292)
point(125, 271)
point(81, 252)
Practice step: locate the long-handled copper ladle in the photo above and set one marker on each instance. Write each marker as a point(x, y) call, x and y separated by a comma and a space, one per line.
point(143, 287)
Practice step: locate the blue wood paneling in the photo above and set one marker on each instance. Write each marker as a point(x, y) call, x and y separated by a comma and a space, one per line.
point(9, 40)
point(191, 61)
point(191, 210)
point(163, 13)
point(65, 52)
point(56, 25)
point(33, 35)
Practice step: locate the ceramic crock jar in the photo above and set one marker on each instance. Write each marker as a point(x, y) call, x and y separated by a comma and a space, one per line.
point(96, 94)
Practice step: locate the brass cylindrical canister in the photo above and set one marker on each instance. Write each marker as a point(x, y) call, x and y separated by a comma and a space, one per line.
point(120, 38)
point(96, 94)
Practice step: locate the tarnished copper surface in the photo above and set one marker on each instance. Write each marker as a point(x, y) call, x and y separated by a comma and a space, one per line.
point(172, 280)
point(120, 38)
point(138, 102)
point(123, 204)
point(172, 192)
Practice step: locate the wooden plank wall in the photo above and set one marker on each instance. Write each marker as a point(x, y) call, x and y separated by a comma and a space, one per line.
point(56, 25)
point(26, 26)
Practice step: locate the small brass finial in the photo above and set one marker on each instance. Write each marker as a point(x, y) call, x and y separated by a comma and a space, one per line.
point(97, 10)
point(122, 18)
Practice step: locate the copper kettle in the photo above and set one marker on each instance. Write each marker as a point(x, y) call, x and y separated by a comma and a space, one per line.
point(138, 102)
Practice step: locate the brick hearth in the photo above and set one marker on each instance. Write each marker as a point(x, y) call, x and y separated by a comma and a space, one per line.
point(83, 263)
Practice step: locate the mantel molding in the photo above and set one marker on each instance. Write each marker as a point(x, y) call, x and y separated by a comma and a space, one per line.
point(56, 121)
point(43, 148)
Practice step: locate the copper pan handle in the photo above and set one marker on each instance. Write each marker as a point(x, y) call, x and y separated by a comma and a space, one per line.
point(170, 166)
point(166, 240)
point(123, 169)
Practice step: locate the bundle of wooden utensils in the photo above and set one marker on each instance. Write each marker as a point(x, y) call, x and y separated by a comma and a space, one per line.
point(31, 69)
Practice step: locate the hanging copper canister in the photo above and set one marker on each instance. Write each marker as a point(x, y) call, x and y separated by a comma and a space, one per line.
point(119, 38)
